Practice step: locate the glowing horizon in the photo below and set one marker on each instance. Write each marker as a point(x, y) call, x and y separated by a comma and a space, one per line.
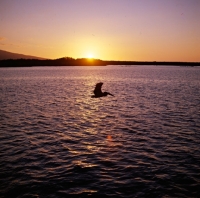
point(137, 30)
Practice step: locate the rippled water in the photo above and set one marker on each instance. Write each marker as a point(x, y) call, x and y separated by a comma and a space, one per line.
point(57, 141)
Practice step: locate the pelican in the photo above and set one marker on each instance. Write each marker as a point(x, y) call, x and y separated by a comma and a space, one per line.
point(98, 93)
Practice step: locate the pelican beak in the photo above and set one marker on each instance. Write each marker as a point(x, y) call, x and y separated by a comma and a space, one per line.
point(110, 94)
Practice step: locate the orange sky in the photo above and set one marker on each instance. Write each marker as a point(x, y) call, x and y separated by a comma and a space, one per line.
point(143, 30)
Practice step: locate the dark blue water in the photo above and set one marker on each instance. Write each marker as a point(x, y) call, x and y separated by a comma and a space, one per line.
point(57, 141)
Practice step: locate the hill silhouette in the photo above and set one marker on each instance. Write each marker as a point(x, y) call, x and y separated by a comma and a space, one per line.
point(66, 61)
point(4, 55)
point(8, 59)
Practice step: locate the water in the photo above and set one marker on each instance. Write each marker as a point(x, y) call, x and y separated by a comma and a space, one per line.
point(57, 141)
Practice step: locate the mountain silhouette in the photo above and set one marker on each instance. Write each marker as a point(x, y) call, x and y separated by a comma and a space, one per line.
point(9, 55)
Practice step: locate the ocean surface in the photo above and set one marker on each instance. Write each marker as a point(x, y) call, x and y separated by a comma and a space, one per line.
point(57, 141)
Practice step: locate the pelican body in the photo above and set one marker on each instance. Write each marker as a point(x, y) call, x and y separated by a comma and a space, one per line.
point(98, 93)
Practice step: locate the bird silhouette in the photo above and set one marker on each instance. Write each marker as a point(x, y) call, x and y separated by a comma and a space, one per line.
point(98, 93)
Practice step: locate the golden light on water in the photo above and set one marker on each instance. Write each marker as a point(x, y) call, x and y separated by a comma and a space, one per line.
point(109, 137)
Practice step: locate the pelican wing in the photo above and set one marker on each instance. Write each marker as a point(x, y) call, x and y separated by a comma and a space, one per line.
point(97, 90)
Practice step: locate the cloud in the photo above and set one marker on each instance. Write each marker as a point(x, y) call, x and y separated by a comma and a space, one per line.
point(2, 38)
point(10, 44)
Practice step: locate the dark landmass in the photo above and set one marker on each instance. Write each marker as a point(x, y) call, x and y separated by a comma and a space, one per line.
point(67, 61)
point(48, 62)
point(190, 64)
point(9, 59)
point(9, 55)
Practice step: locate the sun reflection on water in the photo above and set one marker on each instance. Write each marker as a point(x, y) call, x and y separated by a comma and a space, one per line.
point(78, 144)
point(109, 137)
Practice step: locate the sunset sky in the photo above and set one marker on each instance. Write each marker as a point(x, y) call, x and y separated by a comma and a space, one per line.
point(141, 30)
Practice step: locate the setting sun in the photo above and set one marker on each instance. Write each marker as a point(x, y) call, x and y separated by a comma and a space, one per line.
point(90, 56)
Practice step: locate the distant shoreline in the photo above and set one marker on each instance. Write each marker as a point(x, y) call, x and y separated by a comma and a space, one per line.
point(155, 63)
point(86, 62)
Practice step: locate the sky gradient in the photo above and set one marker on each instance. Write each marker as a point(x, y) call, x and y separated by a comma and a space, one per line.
point(140, 30)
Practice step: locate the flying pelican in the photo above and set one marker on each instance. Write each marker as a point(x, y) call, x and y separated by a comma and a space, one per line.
point(98, 93)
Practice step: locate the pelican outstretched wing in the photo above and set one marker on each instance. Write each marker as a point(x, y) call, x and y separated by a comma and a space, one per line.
point(97, 90)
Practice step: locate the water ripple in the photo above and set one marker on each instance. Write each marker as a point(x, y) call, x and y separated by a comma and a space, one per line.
point(58, 142)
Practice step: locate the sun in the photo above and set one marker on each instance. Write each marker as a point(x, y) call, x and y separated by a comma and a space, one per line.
point(90, 56)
